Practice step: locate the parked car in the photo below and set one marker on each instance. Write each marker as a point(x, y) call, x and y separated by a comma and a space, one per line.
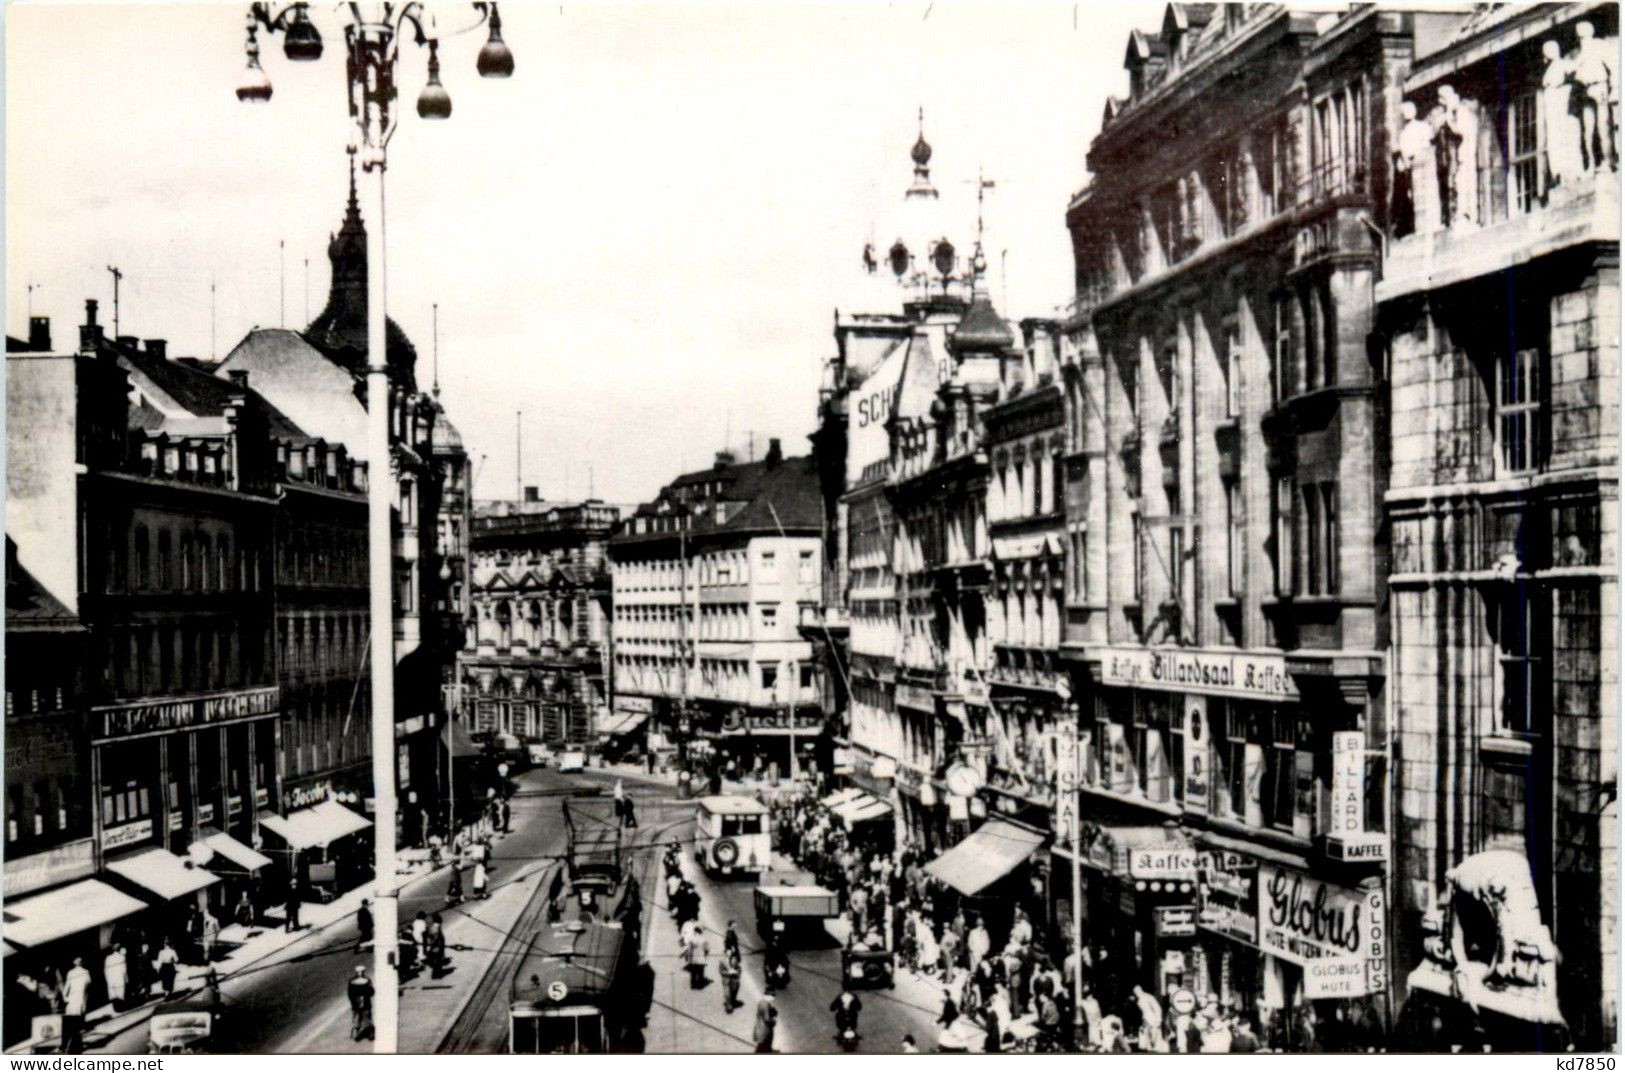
point(539, 755)
point(573, 760)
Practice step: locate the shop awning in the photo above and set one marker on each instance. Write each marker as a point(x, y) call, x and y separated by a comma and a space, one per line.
point(45, 918)
point(990, 853)
point(861, 808)
point(319, 825)
point(163, 873)
point(614, 723)
point(455, 737)
point(839, 798)
point(239, 856)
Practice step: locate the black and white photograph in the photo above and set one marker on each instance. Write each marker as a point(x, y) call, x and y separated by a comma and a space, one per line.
point(878, 527)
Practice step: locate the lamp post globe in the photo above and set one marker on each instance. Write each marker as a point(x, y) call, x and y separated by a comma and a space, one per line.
point(434, 102)
point(495, 59)
point(301, 42)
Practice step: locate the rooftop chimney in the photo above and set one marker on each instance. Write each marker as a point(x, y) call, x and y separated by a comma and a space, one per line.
point(90, 333)
point(533, 493)
point(724, 459)
point(39, 333)
point(238, 376)
point(775, 453)
point(158, 348)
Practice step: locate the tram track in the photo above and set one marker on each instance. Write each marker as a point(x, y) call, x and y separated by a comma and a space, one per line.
point(465, 1034)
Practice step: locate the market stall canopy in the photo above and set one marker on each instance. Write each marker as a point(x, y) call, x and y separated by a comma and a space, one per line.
point(319, 825)
point(244, 858)
point(81, 906)
point(990, 853)
point(163, 873)
point(861, 808)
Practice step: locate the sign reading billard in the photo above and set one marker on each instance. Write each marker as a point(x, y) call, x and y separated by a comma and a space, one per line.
point(1195, 670)
point(124, 720)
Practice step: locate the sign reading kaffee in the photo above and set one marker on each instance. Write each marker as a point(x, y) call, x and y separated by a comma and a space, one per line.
point(1195, 670)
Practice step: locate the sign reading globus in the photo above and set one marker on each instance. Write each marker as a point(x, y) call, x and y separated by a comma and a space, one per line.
point(1194, 670)
point(1307, 921)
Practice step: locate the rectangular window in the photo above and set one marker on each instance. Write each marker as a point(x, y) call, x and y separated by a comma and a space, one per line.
point(1285, 499)
point(1312, 546)
point(1281, 770)
point(1135, 555)
point(1329, 524)
point(807, 568)
point(1232, 367)
point(1176, 564)
point(1281, 350)
point(770, 616)
point(806, 676)
point(1236, 538)
point(768, 561)
point(1519, 413)
point(770, 675)
point(1523, 152)
point(1525, 645)
point(1310, 303)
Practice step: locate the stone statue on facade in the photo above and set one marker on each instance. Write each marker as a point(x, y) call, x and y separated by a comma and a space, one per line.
point(1593, 68)
point(1416, 189)
point(1559, 117)
point(1457, 148)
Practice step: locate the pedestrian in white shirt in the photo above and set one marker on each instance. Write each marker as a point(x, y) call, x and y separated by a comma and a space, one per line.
point(116, 971)
point(75, 1004)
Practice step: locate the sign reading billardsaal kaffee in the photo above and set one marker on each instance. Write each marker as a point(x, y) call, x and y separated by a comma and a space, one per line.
point(1305, 920)
point(1195, 670)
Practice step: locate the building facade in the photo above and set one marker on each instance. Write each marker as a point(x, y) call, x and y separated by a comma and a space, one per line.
point(1499, 323)
point(1225, 617)
point(708, 583)
point(536, 662)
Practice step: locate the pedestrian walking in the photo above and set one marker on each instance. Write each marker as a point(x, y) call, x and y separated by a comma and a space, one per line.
point(454, 887)
point(435, 940)
point(167, 964)
point(75, 1005)
point(292, 906)
point(730, 940)
point(692, 940)
point(730, 971)
point(420, 933)
point(116, 972)
point(631, 815)
point(244, 911)
point(480, 879)
point(767, 1019)
point(363, 924)
point(360, 992)
point(211, 935)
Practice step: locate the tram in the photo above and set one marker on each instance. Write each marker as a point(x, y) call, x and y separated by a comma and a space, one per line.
point(573, 991)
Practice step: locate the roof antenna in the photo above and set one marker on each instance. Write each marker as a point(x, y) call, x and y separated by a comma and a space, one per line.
point(117, 277)
point(214, 353)
point(436, 348)
point(282, 283)
point(307, 290)
point(31, 287)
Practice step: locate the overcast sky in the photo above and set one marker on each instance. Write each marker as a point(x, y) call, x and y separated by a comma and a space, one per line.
point(639, 239)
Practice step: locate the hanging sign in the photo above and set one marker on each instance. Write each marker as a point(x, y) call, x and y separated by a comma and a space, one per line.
point(1335, 978)
point(1348, 783)
point(1196, 755)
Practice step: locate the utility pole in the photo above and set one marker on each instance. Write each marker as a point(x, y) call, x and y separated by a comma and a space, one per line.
point(436, 348)
point(117, 278)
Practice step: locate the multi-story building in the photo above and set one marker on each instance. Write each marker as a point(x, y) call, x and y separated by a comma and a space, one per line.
point(150, 523)
point(1499, 327)
point(454, 595)
point(708, 584)
point(1226, 479)
point(317, 378)
point(536, 661)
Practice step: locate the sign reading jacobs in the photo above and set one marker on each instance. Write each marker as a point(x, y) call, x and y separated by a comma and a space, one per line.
point(1193, 670)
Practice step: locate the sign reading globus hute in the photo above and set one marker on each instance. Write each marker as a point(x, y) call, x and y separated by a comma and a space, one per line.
point(1195, 670)
point(1326, 928)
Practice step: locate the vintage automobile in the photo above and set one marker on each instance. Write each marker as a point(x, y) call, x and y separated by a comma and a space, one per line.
point(572, 760)
point(192, 1025)
point(792, 906)
point(731, 835)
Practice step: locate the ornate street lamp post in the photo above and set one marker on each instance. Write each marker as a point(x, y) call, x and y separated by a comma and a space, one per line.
point(372, 39)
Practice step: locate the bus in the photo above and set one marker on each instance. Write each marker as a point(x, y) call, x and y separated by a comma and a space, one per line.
point(573, 992)
point(731, 835)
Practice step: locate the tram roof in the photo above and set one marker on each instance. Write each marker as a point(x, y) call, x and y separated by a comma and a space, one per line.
point(582, 956)
point(732, 804)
